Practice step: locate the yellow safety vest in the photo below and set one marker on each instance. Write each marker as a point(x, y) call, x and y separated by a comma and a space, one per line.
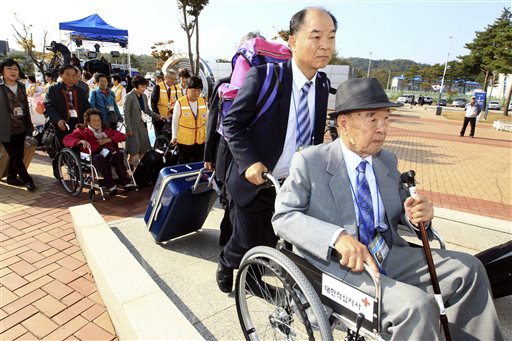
point(180, 90)
point(192, 129)
point(119, 91)
point(163, 100)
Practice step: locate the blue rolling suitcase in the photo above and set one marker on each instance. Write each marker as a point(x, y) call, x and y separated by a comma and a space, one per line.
point(181, 200)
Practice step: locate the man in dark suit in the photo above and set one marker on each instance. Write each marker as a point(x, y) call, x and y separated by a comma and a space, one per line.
point(295, 119)
point(65, 103)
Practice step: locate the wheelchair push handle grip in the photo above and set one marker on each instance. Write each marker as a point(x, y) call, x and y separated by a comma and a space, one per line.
point(269, 177)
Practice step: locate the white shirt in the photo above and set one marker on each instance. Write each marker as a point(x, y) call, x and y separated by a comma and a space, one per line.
point(352, 160)
point(282, 168)
point(472, 110)
point(176, 116)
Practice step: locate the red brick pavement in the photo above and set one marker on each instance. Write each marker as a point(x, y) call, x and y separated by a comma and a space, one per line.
point(47, 290)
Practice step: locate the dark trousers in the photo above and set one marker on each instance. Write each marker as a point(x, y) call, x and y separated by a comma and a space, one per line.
point(103, 166)
point(113, 125)
point(226, 229)
point(251, 227)
point(188, 154)
point(15, 148)
point(472, 122)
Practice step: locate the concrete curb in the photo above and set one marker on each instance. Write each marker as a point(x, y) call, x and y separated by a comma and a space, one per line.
point(139, 309)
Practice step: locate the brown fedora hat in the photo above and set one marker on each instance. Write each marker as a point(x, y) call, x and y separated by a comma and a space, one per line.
point(359, 94)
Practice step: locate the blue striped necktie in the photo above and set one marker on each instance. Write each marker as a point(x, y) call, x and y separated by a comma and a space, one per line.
point(303, 135)
point(365, 206)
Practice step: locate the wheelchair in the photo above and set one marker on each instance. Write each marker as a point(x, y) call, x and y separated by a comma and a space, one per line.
point(280, 295)
point(75, 170)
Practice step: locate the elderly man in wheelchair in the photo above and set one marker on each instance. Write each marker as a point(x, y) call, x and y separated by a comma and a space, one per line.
point(98, 149)
point(340, 208)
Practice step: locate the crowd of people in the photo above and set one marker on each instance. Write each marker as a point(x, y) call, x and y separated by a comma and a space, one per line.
point(122, 104)
point(338, 196)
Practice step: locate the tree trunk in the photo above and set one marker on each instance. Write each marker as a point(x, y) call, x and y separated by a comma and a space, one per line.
point(507, 101)
point(197, 45)
point(189, 37)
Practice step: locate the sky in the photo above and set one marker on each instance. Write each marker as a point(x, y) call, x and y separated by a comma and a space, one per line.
point(378, 29)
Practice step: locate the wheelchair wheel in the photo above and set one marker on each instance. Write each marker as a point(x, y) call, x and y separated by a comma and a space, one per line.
point(161, 142)
point(274, 300)
point(70, 171)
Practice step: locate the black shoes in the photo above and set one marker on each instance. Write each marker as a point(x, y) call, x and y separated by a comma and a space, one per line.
point(31, 186)
point(15, 182)
point(224, 279)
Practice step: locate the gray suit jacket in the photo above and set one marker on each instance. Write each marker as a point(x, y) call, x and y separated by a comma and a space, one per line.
point(316, 199)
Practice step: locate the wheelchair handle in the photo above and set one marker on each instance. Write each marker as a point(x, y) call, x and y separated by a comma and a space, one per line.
point(268, 176)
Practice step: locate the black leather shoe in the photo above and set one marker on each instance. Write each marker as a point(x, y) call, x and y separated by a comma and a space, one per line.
point(31, 186)
point(15, 182)
point(224, 279)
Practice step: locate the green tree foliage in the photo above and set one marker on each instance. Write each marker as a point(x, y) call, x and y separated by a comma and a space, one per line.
point(338, 60)
point(491, 50)
point(162, 51)
point(191, 9)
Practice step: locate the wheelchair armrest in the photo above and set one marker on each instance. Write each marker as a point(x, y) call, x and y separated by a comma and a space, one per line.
point(432, 234)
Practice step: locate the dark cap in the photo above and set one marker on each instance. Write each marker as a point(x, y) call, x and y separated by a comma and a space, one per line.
point(359, 94)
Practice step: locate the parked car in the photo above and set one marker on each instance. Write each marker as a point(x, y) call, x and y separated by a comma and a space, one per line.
point(406, 99)
point(426, 100)
point(494, 105)
point(459, 102)
point(510, 106)
point(442, 102)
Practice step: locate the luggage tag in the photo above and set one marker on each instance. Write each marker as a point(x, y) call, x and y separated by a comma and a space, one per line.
point(18, 111)
point(379, 249)
point(73, 113)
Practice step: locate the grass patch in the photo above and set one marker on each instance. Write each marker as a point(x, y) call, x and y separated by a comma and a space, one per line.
point(491, 117)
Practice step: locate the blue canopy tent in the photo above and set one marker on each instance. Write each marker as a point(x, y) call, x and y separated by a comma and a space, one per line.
point(95, 28)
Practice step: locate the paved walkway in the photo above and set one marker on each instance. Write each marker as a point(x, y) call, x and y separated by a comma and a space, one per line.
point(47, 291)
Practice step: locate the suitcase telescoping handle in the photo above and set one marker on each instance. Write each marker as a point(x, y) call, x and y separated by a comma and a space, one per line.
point(203, 187)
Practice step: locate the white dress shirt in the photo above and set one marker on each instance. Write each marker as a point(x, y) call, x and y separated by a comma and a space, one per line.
point(282, 168)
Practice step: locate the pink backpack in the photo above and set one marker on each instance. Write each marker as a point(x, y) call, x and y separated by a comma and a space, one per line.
point(253, 52)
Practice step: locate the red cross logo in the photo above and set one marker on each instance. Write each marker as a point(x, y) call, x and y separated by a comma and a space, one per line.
point(365, 302)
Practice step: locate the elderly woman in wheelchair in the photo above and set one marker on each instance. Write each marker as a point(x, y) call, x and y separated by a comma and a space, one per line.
point(329, 206)
point(97, 147)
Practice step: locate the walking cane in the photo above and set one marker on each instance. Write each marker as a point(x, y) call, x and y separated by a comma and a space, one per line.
point(408, 179)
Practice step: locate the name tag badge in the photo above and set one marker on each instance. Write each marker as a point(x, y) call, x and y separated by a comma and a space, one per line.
point(110, 108)
point(18, 111)
point(378, 249)
point(73, 113)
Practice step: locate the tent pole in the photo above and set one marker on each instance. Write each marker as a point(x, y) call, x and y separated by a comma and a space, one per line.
point(129, 63)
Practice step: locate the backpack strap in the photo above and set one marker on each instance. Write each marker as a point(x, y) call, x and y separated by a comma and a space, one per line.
point(269, 90)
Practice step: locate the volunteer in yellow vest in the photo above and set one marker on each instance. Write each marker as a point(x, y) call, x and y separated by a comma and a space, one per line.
point(189, 123)
point(163, 98)
point(118, 89)
point(182, 86)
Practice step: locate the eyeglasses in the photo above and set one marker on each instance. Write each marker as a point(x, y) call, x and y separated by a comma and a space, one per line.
point(11, 68)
